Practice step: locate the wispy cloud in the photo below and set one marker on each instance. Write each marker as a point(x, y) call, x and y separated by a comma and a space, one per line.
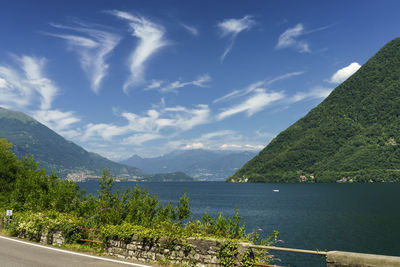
point(194, 31)
point(201, 81)
point(317, 92)
point(26, 85)
point(154, 84)
point(16, 90)
point(344, 73)
point(151, 38)
point(290, 38)
point(255, 103)
point(59, 121)
point(259, 97)
point(239, 93)
point(27, 88)
point(230, 28)
point(139, 139)
point(151, 124)
point(93, 48)
point(218, 140)
point(257, 85)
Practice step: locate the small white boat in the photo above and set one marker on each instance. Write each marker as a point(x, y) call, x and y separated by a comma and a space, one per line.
point(276, 190)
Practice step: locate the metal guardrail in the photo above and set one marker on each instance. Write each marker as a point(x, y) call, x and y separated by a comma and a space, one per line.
point(90, 240)
point(314, 252)
point(290, 249)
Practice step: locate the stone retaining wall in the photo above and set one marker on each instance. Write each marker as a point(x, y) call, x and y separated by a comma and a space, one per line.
point(195, 252)
point(55, 238)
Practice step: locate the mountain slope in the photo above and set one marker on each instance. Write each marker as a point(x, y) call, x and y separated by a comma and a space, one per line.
point(353, 133)
point(52, 151)
point(198, 163)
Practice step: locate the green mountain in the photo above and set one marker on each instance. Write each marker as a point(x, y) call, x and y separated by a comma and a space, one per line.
point(354, 134)
point(53, 152)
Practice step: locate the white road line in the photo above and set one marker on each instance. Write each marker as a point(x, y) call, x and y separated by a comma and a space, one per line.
point(75, 253)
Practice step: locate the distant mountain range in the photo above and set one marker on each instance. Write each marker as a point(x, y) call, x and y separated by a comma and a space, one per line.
point(353, 135)
point(52, 151)
point(198, 163)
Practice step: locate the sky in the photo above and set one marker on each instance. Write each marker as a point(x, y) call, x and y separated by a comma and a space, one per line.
point(127, 77)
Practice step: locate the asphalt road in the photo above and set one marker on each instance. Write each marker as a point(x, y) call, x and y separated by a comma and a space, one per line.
point(20, 253)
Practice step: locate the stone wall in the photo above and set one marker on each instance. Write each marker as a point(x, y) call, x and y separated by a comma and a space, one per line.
point(350, 259)
point(55, 238)
point(195, 252)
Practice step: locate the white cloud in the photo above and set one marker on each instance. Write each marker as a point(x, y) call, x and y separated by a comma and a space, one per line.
point(59, 121)
point(243, 92)
point(93, 48)
point(193, 146)
point(150, 124)
point(231, 28)
point(241, 147)
point(103, 130)
point(315, 93)
point(283, 77)
point(253, 104)
point(27, 88)
point(344, 73)
point(194, 31)
point(201, 81)
point(15, 91)
point(217, 134)
point(45, 87)
point(139, 139)
point(218, 140)
point(290, 39)
point(3, 83)
point(154, 84)
point(254, 86)
point(185, 119)
point(151, 39)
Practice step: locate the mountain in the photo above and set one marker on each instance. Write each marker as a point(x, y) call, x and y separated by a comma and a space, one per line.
point(52, 151)
point(198, 163)
point(353, 135)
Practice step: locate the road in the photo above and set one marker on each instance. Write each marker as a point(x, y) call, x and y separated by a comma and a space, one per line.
point(20, 253)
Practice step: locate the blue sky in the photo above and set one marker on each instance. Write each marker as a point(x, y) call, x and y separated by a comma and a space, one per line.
point(147, 77)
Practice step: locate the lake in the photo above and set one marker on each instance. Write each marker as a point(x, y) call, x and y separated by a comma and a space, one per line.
point(349, 217)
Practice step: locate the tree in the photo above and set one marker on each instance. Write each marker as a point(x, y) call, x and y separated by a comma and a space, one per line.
point(9, 170)
point(183, 208)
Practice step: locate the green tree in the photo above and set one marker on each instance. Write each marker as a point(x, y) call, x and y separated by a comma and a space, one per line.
point(183, 209)
point(9, 170)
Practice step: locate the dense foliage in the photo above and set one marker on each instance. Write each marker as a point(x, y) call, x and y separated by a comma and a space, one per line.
point(52, 151)
point(27, 189)
point(354, 133)
point(44, 204)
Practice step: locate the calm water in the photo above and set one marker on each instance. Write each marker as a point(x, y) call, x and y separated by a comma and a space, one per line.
point(351, 217)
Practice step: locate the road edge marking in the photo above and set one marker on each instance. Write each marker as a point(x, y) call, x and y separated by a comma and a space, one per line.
point(74, 253)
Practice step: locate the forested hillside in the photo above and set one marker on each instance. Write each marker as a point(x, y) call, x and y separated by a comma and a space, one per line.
point(353, 134)
point(52, 151)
